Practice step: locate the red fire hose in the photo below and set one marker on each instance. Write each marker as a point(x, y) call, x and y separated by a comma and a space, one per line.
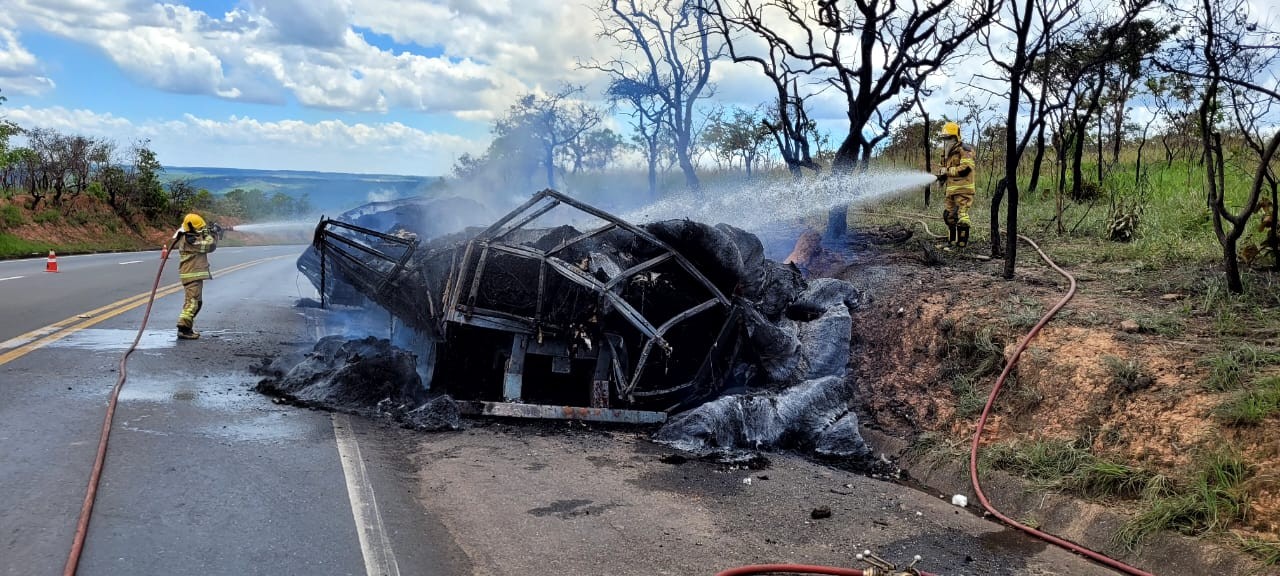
point(982, 421)
point(86, 510)
point(791, 569)
point(973, 463)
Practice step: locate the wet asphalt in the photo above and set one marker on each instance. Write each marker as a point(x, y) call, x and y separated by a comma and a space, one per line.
point(203, 475)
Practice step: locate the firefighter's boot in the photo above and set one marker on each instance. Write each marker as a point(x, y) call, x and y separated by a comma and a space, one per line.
point(949, 218)
point(962, 234)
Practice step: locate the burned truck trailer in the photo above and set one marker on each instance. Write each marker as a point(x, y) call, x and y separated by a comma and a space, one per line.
point(618, 322)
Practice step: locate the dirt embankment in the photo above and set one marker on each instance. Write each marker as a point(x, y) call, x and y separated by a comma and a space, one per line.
point(77, 225)
point(85, 224)
point(1108, 374)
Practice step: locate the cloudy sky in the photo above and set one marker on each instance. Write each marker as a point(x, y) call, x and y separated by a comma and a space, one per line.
point(390, 86)
point(354, 85)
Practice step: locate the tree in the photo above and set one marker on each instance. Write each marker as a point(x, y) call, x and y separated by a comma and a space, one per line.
point(743, 135)
point(596, 150)
point(182, 195)
point(670, 73)
point(1108, 54)
point(788, 123)
point(8, 158)
point(1038, 62)
point(548, 123)
point(1221, 51)
point(1034, 27)
point(281, 205)
point(148, 192)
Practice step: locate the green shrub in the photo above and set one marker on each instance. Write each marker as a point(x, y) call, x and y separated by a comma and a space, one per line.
point(11, 216)
point(48, 216)
point(78, 218)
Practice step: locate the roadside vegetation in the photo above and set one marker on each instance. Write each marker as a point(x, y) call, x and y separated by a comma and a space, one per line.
point(76, 194)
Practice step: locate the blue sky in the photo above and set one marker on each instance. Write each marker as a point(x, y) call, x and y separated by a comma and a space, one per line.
point(372, 86)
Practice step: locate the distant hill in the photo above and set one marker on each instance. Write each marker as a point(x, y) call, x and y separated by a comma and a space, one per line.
point(328, 192)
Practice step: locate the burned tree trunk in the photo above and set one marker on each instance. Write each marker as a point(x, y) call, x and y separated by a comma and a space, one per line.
point(928, 157)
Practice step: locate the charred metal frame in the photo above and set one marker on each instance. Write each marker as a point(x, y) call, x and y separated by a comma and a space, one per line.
point(491, 240)
point(327, 230)
point(535, 334)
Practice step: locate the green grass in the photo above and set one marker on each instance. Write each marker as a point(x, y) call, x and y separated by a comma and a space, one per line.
point(972, 356)
point(1214, 499)
point(1163, 324)
point(14, 247)
point(1232, 369)
point(1022, 313)
point(969, 398)
point(1266, 551)
point(1251, 407)
point(1069, 467)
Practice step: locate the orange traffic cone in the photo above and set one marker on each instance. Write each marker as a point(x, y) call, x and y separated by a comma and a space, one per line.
point(52, 264)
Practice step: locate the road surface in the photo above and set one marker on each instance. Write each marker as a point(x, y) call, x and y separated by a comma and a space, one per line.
point(203, 476)
point(206, 477)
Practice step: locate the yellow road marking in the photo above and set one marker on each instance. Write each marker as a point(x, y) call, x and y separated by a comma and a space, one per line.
point(67, 327)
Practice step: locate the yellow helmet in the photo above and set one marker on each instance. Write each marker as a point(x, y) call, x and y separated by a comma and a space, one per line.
point(951, 129)
point(192, 222)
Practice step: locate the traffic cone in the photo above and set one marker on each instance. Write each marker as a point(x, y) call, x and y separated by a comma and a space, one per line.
point(52, 264)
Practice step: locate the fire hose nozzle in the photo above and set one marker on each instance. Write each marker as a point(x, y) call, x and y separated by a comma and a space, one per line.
point(881, 567)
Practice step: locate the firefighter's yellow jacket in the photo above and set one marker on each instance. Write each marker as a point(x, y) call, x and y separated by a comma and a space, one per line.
point(194, 248)
point(959, 166)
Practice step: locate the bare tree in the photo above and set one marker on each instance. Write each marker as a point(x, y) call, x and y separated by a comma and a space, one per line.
point(1034, 25)
point(1221, 50)
point(670, 73)
point(789, 122)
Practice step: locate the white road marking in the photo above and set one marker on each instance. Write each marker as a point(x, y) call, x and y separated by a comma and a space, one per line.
point(11, 278)
point(375, 546)
point(130, 262)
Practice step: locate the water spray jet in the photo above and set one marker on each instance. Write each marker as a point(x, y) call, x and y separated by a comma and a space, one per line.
point(756, 205)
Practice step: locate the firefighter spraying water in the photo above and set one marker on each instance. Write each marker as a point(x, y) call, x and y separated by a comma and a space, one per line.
point(957, 172)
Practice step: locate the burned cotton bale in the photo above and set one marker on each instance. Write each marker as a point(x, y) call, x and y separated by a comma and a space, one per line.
point(813, 416)
point(351, 376)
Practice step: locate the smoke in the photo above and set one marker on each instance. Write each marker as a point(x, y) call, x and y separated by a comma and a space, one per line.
point(382, 195)
point(754, 206)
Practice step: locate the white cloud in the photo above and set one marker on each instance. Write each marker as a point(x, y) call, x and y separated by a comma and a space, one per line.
point(329, 145)
point(19, 71)
point(270, 50)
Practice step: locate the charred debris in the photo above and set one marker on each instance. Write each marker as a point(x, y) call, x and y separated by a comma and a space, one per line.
point(562, 310)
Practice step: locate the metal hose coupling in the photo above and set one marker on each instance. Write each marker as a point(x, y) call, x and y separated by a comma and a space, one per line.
point(880, 567)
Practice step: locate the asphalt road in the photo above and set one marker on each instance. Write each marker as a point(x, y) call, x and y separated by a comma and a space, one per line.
point(203, 476)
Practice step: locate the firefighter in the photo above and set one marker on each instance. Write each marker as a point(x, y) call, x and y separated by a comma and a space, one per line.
point(957, 171)
point(195, 241)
